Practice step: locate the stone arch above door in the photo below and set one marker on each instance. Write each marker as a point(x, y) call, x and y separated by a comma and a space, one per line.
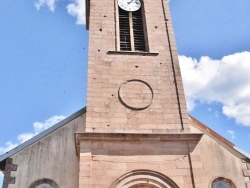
point(144, 179)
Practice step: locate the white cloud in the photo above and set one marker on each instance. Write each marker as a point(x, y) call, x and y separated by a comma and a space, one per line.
point(77, 9)
point(216, 113)
point(41, 126)
point(231, 132)
point(8, 146)
point(226, 81)
point(46, 3)
point(25, 136)
point(38, 127)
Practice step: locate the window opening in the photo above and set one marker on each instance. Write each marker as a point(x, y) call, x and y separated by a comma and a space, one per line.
point(125, 43)
point(222, 183)
point(131, 31)
point(139, 38)
point(44, 183)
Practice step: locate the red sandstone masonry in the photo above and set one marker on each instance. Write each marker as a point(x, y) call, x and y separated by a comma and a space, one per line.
point(112, 159)
point(102, 162)
point(107, 72)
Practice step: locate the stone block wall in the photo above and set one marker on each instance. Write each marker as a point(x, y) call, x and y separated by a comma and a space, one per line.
point(52, 157)
point(103, 162)
point(115, 80)
point(220, 160)
point(246, 171)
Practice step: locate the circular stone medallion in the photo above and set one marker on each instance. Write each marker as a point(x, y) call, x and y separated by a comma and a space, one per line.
point(135, 94)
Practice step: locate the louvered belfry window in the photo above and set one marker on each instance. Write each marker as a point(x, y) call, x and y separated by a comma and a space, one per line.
point(131, 29)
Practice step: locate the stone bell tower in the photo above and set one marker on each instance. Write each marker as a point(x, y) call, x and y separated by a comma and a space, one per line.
point(136, 121)
point(135, 131)
point(134, 81)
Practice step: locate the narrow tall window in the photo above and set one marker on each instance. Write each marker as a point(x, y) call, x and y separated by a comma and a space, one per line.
point(131, 31)
point(124, 25)
point(138, 31)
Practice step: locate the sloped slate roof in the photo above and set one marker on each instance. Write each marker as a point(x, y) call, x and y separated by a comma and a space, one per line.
point(41, 135)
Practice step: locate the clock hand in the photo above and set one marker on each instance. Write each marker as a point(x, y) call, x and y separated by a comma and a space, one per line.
point(130, 2)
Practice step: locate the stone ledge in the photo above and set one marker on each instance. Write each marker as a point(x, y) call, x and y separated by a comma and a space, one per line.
point(138, 137)
point(132, 53)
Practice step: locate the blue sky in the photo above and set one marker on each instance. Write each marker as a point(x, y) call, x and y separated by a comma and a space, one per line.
point(43, 63)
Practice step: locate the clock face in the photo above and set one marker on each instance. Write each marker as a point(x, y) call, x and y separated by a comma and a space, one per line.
point(129, 5)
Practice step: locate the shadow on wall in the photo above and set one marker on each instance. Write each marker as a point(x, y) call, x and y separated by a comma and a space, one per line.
point(125, 148)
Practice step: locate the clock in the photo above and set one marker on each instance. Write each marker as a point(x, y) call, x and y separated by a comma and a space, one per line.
point(129, 5)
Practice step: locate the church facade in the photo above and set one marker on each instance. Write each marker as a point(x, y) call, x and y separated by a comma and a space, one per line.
point(135, 131)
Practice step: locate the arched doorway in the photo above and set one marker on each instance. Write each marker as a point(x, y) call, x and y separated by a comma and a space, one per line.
point(144, 179)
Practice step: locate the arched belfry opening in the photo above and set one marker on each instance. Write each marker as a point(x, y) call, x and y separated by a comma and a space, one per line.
point(144, 179)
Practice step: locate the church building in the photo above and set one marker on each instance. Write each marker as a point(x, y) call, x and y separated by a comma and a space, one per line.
point(135, 131)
